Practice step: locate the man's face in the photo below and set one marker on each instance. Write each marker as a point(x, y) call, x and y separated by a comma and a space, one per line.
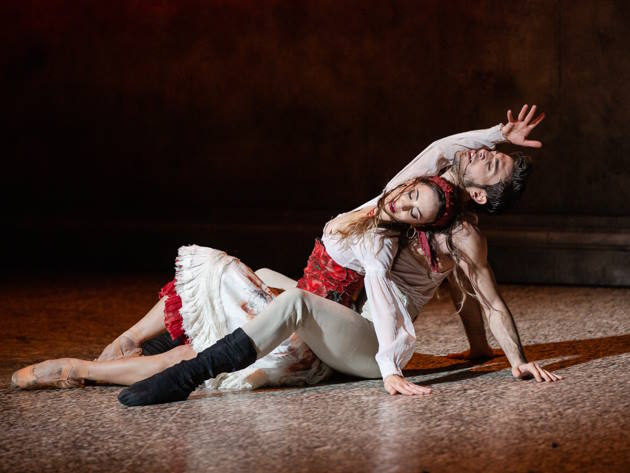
point(481, 167)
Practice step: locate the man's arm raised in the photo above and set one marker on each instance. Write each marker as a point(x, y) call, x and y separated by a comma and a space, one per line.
point(474, 262)
point(441, 153)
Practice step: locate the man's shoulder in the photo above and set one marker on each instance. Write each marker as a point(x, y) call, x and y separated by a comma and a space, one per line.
point(465, 235)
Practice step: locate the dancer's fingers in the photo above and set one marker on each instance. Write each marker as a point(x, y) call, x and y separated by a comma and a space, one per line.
point(410, 388)
point(530, 115)
point(417, 389)
point(510, 117)
point(533, 369)
point(532, 143)
point(393, 385)
point(537, 120)
point(554, 377)
point(423, 390)
point(545, 374)
point(402, 389)
point(521, 114)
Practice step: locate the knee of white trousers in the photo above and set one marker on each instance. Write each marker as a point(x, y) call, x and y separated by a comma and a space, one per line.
point(279, 320)
point(262, 272)
point(295, 304)
point(275, 279)
point(265, 275)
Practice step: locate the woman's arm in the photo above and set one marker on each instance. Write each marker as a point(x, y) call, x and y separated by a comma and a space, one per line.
point(392, 321)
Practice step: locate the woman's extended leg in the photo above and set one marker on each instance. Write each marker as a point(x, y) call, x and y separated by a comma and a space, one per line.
point(129, 343)
point(131, 370)
point(71, 372)
point(337, 335)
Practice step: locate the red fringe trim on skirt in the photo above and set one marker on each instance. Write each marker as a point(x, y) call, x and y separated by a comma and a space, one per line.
point(172, 316)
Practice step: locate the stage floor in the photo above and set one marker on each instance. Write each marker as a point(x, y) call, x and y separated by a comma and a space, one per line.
point(478, 418)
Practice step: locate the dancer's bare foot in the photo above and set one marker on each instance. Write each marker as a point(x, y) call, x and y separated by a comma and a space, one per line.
point(61, 373)
point(478, 355)
point(125, 346)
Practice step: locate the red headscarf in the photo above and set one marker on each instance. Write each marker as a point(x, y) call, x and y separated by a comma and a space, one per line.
point(450, 211)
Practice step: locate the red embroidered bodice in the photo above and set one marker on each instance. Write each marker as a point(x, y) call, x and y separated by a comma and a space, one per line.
point(324, 277)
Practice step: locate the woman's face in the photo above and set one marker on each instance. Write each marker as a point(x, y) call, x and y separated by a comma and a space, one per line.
point(414, 204)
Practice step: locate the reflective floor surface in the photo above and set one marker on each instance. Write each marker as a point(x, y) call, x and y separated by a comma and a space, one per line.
point(478, 418)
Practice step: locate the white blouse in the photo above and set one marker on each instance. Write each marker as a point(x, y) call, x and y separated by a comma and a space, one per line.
point(398, 287)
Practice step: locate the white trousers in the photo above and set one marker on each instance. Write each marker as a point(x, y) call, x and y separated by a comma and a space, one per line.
point(339, 336)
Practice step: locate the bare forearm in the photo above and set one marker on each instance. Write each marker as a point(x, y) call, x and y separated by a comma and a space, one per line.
point(471, 316)
point(504, 331)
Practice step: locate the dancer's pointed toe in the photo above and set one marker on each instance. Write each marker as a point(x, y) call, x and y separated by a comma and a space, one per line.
point(22, 378)
point(59, 373)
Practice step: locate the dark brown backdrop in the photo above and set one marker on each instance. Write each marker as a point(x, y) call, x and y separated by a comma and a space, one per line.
point(133, 127)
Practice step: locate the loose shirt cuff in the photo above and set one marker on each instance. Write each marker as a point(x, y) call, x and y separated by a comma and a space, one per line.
point(388, 367)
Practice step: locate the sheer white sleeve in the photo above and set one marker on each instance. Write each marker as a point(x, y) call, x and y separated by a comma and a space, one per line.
point(442, 152)
point(392, 321)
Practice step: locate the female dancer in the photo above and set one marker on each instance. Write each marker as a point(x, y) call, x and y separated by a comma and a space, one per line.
point(214, 294)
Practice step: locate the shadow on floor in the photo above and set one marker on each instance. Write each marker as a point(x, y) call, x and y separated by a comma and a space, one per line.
point(575, 352)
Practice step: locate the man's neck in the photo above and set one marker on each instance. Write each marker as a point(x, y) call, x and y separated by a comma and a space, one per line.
point(452, 175)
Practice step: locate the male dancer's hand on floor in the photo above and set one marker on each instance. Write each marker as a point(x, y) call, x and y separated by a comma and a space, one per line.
point(533, 370)
point(395, 384)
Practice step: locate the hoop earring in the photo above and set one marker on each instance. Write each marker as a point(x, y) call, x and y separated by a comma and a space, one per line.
point(413, 235)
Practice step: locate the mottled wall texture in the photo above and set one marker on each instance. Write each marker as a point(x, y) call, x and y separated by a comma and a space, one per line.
point(222, 111)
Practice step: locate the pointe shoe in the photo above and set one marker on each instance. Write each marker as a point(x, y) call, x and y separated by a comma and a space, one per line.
point(48, 374)
point(123, 347)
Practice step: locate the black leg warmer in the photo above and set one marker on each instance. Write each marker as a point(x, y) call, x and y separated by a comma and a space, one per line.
point(160, 344)
point(232, 353)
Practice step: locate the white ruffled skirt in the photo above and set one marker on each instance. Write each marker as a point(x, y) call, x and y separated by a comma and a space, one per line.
point(219, 294)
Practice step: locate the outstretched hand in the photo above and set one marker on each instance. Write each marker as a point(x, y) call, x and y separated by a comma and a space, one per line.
point(532, 370)
point(395, 384)
point(516, 131)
